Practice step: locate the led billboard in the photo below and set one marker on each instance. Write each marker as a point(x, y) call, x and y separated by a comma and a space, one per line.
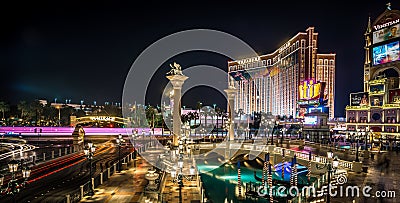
point(377, 100)
point(386, 34)
point(359, 99)
point(394, 96)
point(240, 75)
point(386, 53)
point(380, 88)
point(310, 120)
point(312, 94)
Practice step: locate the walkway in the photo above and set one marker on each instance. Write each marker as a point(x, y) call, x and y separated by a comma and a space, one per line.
point(124, 187)
point(190, 191)
point(382, 175)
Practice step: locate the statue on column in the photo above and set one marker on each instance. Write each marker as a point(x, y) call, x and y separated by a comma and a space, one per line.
point(175, 69)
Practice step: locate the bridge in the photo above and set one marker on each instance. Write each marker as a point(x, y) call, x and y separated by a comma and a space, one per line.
point(234, 149)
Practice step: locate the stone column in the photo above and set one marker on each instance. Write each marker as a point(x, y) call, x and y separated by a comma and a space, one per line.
point(231, 92)
point(177, 82)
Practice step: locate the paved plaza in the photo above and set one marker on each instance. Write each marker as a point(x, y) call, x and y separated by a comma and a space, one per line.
point(127, 186)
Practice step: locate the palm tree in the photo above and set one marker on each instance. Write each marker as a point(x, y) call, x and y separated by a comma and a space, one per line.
point(151, 113)
point(198, 106)
point(36, 109)
point(4, 107)
point(24, 108)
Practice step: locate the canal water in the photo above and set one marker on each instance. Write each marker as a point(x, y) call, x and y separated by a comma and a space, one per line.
point(220, 182)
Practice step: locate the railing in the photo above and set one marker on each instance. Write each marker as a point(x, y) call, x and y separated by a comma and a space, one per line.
point(78, 194)
point(278, 150)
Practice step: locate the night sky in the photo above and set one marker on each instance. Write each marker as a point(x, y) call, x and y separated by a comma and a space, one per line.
point(82, 50)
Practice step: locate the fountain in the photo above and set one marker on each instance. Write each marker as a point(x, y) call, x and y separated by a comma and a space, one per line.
point(151, 176)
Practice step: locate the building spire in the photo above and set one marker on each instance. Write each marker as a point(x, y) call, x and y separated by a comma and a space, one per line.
point(369, 27)
point(388, 6)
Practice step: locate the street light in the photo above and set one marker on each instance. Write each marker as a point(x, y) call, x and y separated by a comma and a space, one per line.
point(177, 176)
point(89, 152)
point(357, 160)
point(13, 187)
point(332, 165)
point(283, 130)
point(119, 140)
point(367, 134)
point(59, 115)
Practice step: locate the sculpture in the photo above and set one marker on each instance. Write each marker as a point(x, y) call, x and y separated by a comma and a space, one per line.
point(175, 69)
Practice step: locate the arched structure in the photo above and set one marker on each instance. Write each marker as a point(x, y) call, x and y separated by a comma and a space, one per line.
point(97, 119)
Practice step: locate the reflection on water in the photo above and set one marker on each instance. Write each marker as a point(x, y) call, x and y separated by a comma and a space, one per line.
point(220, 182)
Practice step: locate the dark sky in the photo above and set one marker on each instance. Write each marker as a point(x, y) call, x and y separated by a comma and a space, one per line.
point(84, 49)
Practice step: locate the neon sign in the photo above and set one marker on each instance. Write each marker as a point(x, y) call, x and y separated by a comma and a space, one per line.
point(390, 23)
point(248, 60)
point(102, 118)
point(310, 90)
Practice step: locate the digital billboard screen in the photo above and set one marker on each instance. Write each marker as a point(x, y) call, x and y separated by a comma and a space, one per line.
point(377, 100)
point(310, 120)
point(386, 34)
point(394, 96)
point(240, 75)
point(386, 53)
point(377, 88)
point(359, 99)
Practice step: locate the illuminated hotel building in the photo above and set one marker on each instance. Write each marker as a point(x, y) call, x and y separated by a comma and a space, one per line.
point(376, 110)
point(270, 82)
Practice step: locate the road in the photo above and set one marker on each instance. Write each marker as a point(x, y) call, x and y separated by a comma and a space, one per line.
point(51, 181)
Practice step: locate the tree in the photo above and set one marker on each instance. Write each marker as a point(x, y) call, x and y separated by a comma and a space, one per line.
point(23, 107)
point(198, 106)
point(36, 109)
point(151, 113)
point(4, 107)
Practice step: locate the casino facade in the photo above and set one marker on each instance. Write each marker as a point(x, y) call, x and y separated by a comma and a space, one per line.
point(285, 81)
point(376, 110)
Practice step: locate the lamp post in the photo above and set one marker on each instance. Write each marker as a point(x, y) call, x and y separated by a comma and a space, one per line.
point(272, 133)
point(119, 141)
point(283, 134)
point(59, 115)
point(177, 173)
point(13, 187)
point(357, 160)
point(89, 152)
point(367, 133)
point(352, 138)
point(331, 165)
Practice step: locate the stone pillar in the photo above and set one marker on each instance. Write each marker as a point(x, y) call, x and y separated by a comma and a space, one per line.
point(52, 154)
point(101, 178)
point(44, 156)
point(68, 198)
point(231, 92)
point(82, 191)
point(66, 152)
point(59, 152)
point(177, 82)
